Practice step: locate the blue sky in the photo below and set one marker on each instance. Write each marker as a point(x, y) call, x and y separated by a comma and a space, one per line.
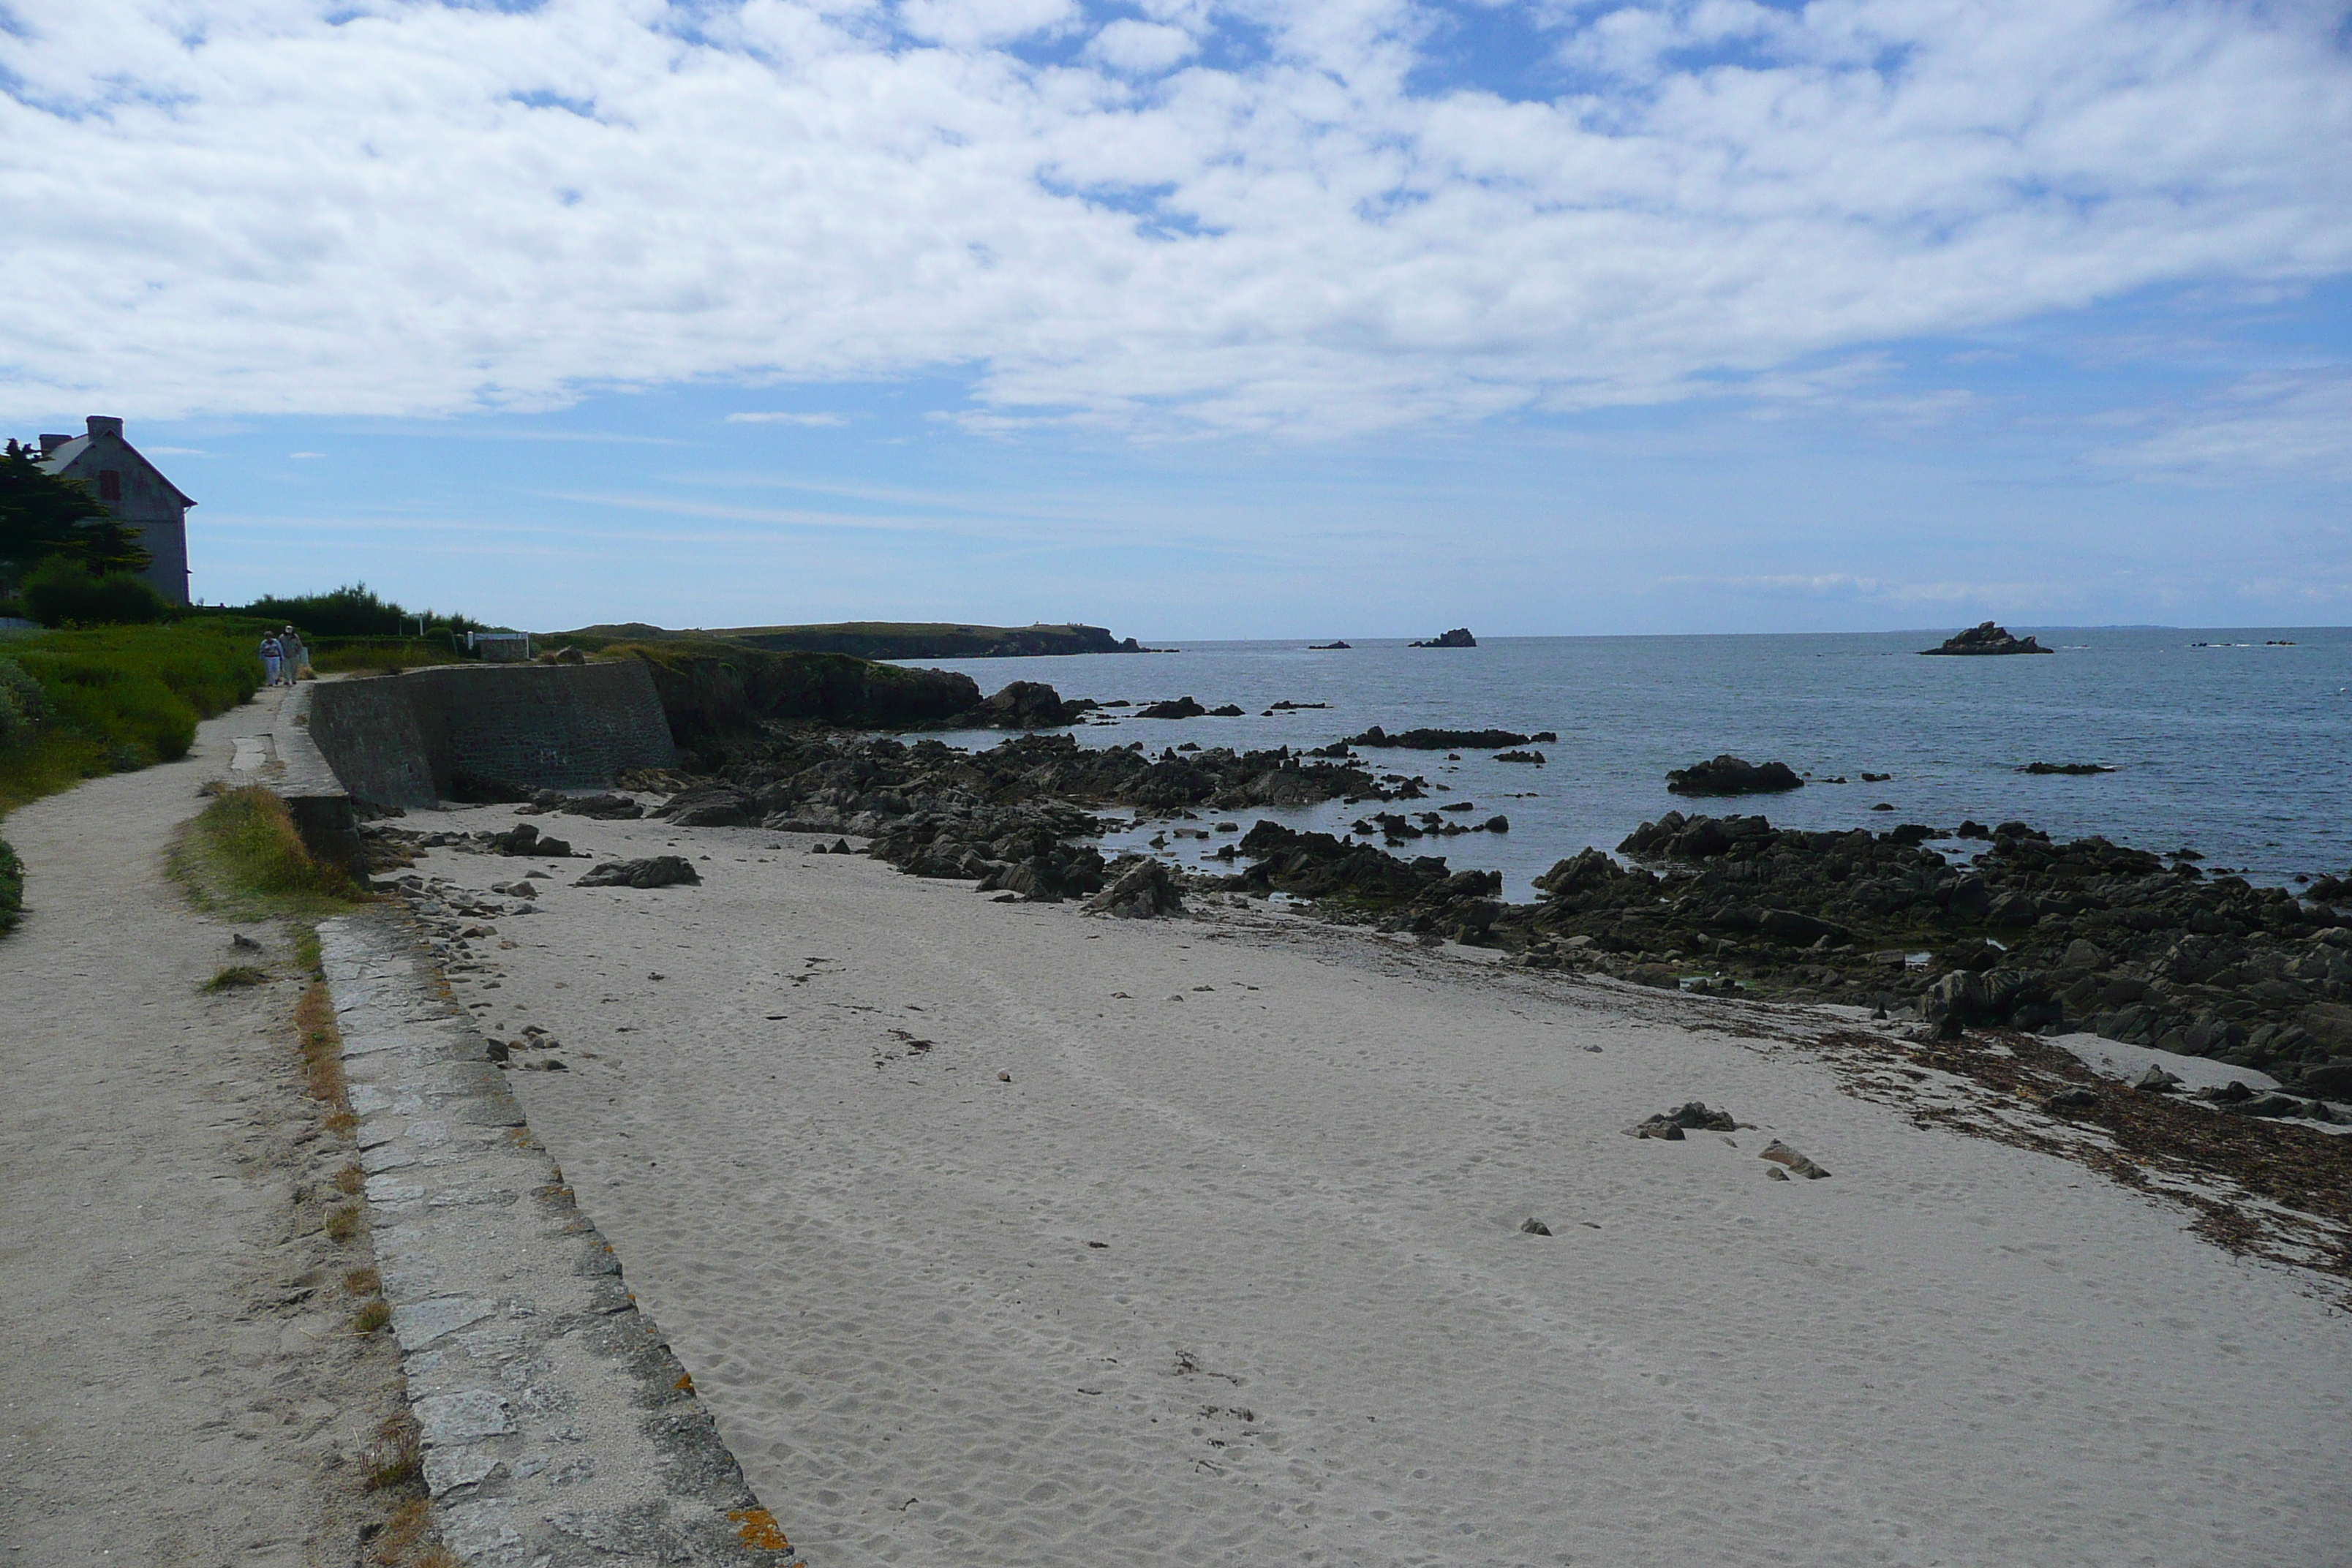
point(1209, 321)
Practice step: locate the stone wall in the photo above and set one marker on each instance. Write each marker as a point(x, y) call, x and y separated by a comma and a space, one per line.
point(461, 730)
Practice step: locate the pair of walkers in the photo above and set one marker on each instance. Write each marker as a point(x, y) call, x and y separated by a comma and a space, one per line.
point(283, 657)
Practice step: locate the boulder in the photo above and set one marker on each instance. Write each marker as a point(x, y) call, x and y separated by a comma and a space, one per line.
point(655, 871)
point(1145, 890)
point(1728, 775)
point(602, 807)
point(1780, 1153)
point(1028, 705)
point(523, 839)
point(1182, 707)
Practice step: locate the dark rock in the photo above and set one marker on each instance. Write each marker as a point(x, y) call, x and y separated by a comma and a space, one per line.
point(1728, 775)
point(1440, 740)
point(709, 805)
point(2333, 1079)
point(1029, 705)
point(1663, 1128)
point(1458, 637)
point(1326, 646)
point(602, 807)
point(656, 871)
point(1182, 707)
point(2074, 769)
point(2076, 1098)
point(1144, 889)
point(523, 839)
point(1987, 639)
point(1230, 711)
point(1535, 757)
point(1534, 1227)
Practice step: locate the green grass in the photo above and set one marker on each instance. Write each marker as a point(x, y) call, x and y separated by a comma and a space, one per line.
point(121, 698)
point(242, 854)
point(237, 976)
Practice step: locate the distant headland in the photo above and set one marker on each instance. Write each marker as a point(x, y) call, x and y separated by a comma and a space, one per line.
point(899, 639)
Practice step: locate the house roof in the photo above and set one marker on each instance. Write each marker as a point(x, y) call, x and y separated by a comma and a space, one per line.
point(63, 457)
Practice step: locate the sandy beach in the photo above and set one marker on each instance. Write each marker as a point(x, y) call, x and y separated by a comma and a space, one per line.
point(1004, 1234)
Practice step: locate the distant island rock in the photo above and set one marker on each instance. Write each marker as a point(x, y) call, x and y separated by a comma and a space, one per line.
point(1986, 639)
point(2076, 769)
point(897, 639)
point(1458, 637)
point(1325, 647)
point(1728, 775)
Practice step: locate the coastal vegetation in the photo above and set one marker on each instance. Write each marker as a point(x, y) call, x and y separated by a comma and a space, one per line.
point(242, 854)
point(77, 704)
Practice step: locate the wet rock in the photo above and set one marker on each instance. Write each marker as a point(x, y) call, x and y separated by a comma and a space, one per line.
point(1728, 775)
point(655, 871)
point(1182, 707)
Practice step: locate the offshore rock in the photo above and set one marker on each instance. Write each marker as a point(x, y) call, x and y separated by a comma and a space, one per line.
point(1728, 775)
point(1987, 639)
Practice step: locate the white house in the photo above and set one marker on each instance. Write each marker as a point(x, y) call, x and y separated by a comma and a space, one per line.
point(134, 490)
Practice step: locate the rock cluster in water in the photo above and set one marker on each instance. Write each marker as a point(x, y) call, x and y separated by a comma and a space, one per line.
point(1458, 637)
point(1987, 637)
point(1728, 775)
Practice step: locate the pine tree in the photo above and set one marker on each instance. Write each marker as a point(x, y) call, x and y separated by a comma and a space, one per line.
point(42, 515)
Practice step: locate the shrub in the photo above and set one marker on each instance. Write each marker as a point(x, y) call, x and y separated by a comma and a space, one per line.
point(63, 592)
point(117, 698)
point(23, 704)
point(12, 887)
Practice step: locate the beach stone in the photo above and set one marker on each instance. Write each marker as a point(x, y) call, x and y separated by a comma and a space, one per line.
point(1780, 1153)
point(2155, 1080)
point(2076, 1098)
point(1728, 775)
point(2334, 1079)
point(607, 807)
point(655, 871)
point(1534, 1227)
point(1778, 1175)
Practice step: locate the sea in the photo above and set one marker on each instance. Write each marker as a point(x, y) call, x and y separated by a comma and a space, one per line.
point(2234, 743)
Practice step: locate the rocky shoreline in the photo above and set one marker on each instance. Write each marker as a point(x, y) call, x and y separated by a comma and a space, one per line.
point(1998, 928)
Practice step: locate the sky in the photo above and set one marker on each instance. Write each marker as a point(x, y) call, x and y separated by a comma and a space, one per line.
point(1195, 319)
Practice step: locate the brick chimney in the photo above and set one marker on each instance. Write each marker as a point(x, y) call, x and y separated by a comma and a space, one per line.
point(105, 425)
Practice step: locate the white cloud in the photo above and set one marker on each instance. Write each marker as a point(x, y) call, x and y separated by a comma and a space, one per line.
point(811, 420)
point(1141, 47)
point(306, 454)
point(401, 207)
point(2277, 423)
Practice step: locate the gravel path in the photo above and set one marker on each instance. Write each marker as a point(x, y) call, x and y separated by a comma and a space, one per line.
point(178, 1383)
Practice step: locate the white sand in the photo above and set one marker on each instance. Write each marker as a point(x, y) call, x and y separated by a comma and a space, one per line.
point(1316, 1333)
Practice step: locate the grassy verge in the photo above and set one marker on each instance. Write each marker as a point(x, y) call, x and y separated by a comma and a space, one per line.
point(121, 698)
point(242, 856)
point(11, 888)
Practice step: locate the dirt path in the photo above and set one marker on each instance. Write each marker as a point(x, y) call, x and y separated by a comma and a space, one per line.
point(178, 1380)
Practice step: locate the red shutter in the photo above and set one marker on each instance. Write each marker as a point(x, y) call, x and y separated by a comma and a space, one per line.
point(110, 485)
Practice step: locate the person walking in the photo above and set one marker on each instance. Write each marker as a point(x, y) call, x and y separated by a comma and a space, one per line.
point(290, 642)
point(273, 654)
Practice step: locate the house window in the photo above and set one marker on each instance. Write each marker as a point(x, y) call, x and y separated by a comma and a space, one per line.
point(110, 485)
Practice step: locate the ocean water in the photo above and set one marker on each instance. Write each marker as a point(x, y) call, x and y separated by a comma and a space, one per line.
point(2235, 743)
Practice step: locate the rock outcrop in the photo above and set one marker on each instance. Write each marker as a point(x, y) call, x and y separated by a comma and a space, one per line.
point(1987, 639)
point(1458, 637)
point(1728, 775)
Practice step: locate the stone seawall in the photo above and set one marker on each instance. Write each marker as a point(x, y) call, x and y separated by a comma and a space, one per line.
point(448, 732)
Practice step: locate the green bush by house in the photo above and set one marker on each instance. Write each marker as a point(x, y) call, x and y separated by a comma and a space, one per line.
point(62, 591)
